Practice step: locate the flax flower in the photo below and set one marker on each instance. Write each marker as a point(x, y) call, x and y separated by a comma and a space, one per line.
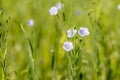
point(53, 10)
point(71, 33)
point(68, 46)
point(83, 31)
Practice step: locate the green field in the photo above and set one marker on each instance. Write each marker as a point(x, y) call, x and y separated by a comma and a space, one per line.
point(34, 50)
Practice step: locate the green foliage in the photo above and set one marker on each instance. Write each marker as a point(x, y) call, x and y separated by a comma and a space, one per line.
point(36, 52)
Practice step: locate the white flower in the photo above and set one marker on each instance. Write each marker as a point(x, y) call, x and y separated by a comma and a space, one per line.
point(30, 22)
point(68, 46)
point(53, 10)
point(83, 32)
point(71, 33)
point(59, 5)
point(119, 7)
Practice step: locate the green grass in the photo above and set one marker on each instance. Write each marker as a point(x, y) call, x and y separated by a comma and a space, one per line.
point(36, 53)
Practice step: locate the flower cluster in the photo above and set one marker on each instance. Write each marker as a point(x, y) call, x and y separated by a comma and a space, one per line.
point(54, 9)
point(83, 31)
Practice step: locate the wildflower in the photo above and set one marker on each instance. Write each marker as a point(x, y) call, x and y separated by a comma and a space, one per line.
point(83, 31)
point(119, 7)
point(68, 46)
point(59, 5)
point(30, 22)
point(53, 10)
point(71, 33)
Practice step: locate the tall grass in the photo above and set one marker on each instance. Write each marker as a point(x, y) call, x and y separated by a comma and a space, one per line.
point(36, 52)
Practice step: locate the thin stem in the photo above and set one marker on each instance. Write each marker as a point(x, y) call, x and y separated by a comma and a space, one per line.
point(31, 51)
point(4, 65)
point(69, 66)
point(53, 77)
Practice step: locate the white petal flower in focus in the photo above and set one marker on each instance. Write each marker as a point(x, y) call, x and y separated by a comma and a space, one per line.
point(53, 10)
point(119, 7)
point(83, 32)
point(30, 22)
point(68, 46)
point(71, 33)
point(59, 5)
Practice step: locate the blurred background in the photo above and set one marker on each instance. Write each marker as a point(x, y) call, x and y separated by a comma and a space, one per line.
point(100, 57)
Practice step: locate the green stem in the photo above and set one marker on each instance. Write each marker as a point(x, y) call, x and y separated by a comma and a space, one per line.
point(4, 70)
point(53, 77)
point(3, 63)
point(69, 67)
point(31, 51)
